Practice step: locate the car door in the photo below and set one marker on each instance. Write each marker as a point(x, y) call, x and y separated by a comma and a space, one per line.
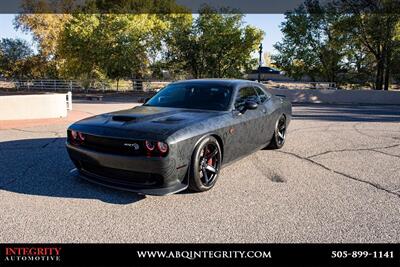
point(267, 108)
point(247, 128)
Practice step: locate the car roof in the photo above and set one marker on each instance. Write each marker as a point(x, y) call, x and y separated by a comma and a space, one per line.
point(224, 82)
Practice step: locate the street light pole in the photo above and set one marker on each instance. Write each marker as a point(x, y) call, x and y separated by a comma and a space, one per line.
point(259, 63)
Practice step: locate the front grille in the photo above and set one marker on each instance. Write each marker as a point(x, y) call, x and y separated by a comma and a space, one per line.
point(120, 177)
point(115, 146)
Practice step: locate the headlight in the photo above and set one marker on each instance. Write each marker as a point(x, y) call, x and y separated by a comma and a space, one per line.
point(162, 147)
point(155, 148)
point(150, 145)
point(76, 138)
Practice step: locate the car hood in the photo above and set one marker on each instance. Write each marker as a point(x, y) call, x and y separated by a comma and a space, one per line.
point(143, 122)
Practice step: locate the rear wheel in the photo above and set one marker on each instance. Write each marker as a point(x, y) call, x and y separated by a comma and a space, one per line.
point(205, 166)
point(278, 140)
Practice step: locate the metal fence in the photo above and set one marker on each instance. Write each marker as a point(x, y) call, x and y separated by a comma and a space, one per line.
point(91, 85)
point(54, 85)
point(133, 85)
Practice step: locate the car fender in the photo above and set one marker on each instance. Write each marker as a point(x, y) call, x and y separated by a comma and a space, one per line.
point(214, 134)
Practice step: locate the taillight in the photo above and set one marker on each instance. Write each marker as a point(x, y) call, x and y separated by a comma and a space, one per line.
point(155, 148)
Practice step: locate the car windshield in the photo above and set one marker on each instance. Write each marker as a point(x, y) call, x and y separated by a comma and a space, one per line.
point(193, 96)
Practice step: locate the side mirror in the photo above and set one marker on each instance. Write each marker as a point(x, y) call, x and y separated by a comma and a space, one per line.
point(251, 105)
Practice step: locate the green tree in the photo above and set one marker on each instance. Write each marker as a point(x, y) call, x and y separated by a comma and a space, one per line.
point(45, 20)
point(311, 43)
point(213, 45)
point(98, 39)
point(112, 45)
point(15, 54)
point(345, 41)
point(374, 24)
point(267, 60)
point(395, 66)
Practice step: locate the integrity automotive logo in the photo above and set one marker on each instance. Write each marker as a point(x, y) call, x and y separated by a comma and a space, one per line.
point(32, 254)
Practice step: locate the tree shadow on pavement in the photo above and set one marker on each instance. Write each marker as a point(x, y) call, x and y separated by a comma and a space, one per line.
point(41, 167)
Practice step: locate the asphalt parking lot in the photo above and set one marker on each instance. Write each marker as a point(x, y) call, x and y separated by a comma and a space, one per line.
point(336, 180)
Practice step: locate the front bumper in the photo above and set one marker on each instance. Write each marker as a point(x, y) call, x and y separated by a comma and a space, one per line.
point(140, 174)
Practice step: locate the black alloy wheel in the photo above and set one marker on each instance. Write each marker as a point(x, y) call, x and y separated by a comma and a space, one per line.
point(206, 163)
point(278, 140)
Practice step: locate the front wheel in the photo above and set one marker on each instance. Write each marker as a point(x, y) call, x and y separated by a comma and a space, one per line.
point(205, 166)
point(278, 140)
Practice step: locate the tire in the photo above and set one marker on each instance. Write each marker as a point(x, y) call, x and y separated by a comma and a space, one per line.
point(279, 137)
point(205, 165)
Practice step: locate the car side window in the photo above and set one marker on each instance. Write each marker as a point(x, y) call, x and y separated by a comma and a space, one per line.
point(245, 94)
point(262, 95)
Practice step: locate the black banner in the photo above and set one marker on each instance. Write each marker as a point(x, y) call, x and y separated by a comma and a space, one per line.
point(135, 6)
point(180, 6)
point(200, 254)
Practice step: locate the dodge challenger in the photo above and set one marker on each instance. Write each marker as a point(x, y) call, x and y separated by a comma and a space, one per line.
point(180, 138)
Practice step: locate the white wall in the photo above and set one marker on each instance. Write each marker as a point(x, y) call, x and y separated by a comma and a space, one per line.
point(18, 107)
point(340, 96)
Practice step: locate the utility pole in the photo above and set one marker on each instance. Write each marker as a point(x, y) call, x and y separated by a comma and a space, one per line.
point(259, 65)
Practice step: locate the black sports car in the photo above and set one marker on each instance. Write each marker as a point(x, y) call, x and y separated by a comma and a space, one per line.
point(179, 138)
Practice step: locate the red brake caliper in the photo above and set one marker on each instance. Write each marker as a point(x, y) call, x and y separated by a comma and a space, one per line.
point(209, 161)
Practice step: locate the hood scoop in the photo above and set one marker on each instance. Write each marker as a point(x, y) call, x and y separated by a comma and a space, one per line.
point(123, 118)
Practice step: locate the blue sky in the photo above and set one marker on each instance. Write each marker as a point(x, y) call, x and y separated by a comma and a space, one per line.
point(7, 28)
point(269, 23)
